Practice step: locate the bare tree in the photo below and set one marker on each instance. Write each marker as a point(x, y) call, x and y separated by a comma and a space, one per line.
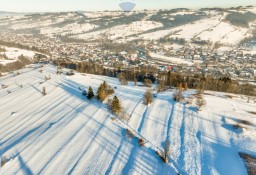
point(167, 150)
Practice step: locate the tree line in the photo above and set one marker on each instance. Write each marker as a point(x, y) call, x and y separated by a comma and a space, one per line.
point(165, 79)
point(201, 82)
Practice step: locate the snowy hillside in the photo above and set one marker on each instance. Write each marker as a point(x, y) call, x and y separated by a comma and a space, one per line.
point(207, 25)
point(65, 133)
point(13, 54)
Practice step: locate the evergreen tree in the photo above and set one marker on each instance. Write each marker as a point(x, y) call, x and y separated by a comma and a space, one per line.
point(116, 106)
point(101, 95)
point(90, 93)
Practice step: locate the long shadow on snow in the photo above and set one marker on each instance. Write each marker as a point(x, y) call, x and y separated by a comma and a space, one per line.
point(34, 114)
point(26, 170)
point(45, 130)
point(61, 148)
point(182, 139)
point(143, 159)
point(87, 148)
point(30, 132)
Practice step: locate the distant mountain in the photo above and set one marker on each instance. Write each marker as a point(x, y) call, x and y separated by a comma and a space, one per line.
point(4, 13)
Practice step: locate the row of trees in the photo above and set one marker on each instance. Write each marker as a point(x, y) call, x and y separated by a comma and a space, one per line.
point(166, 80)
point(201, 82)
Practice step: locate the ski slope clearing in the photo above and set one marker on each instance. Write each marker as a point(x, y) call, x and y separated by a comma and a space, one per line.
point(65, 133)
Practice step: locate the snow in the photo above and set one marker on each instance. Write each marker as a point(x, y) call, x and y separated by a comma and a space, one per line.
point(14, 53)
point(212, 28)
point(29, 24)
point(225, 33)
point(65, 133)
point(173, 60)
point(73, 28)
point(122, 31)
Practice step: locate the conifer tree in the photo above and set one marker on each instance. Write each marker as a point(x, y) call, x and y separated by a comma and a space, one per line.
point(90, 93)
point(116, 106)
point(101, 95)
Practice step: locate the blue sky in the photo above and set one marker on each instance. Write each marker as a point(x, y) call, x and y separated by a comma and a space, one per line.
point(91, 5)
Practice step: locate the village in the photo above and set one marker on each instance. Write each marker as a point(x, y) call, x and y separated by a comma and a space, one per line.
point(237, 64)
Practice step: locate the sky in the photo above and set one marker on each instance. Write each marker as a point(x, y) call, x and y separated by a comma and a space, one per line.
point(93, 5)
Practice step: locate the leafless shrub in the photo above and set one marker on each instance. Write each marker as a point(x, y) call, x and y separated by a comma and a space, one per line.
point(200, 102)
point(148, 99)
point(245, 122)
point(44, 91)
point(230, 96)
point(252, 112)
point(141, 142)
point(167, 150)
point(129, 134)
point(177, 96)
point(3, 161)
point(4, 86)
point(238, 126)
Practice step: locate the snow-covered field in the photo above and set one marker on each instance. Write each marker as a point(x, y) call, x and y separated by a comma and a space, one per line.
point(13, 54)
point(122, 31)
point(73, 28)
point(172, 60)
point(213, 29)
point(65, 133)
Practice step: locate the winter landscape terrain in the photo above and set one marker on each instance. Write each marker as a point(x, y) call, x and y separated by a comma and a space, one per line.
point(48, 61)
point(65, 133)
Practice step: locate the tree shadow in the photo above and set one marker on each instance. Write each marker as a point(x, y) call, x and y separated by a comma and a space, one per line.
point(26, 170)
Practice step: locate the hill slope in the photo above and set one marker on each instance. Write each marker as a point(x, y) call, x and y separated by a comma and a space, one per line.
point(64, 133)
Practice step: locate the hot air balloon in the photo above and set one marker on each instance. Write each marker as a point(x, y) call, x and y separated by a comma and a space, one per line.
point(127, 5)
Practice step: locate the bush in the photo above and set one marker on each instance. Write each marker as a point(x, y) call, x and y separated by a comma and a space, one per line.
point(200, 102)
point(177, 96)
point(129, 134)
point(250, 162)
point(141, 142)
point(44, 91)
point(167, 150)
point(3, 161)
